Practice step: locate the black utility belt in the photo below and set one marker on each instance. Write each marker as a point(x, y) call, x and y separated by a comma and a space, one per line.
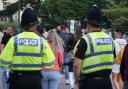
point(26, 72)
point(94, 78)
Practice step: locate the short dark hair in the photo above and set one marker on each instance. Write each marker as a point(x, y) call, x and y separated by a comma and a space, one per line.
point(63, 27)
point(26, 28)
point(94, 25)
point(120, 30)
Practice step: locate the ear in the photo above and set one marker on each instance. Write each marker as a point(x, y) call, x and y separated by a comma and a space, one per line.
point(35, 30)
point(88, 27)
point(34, 27)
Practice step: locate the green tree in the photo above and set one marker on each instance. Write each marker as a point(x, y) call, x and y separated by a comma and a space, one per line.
point(117, 12)
point(55, 12)
point(11, 9)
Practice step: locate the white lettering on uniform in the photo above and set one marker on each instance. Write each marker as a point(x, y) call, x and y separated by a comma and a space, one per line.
point(103, 41)
point(28, 41)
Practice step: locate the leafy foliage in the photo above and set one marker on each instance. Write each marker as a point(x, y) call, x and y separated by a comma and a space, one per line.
point(55, 12)
point(11, 9)
point(4, 26)
point(117, 12)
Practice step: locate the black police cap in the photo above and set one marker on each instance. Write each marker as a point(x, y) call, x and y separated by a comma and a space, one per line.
point(29, 17)
point(94, 15)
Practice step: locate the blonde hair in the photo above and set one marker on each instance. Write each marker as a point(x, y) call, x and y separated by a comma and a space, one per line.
point(56, 42)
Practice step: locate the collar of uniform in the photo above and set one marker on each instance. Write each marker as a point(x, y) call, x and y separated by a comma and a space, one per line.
point(96, 32)
point(29, 33)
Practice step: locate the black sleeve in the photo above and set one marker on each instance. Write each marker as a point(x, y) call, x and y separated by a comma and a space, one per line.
point(82, 47)
point(114, 52)
point(3, 40)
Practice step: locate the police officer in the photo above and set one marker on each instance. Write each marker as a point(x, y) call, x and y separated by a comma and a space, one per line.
point(94, 55)
point(26, 53)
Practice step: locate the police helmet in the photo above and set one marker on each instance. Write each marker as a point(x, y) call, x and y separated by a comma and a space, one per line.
point(94, 16)
point(29, 17)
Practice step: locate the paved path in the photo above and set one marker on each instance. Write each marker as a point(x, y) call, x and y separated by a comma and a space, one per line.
point(63, 84)
point(1, 86)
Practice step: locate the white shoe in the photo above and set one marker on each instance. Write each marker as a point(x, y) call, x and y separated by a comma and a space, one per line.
point(61, 75)
point(72, 88)
point(67, 82)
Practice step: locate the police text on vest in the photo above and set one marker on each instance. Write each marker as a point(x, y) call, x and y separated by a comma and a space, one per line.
point(103, 41)
point(28, 42)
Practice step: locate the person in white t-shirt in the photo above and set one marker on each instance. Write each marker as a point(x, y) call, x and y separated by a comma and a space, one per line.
point(119, 46)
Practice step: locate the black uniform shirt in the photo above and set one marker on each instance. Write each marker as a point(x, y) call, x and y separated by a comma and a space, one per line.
point(82, 47)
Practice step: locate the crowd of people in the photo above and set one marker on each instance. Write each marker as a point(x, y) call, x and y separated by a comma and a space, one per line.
point(35, 59)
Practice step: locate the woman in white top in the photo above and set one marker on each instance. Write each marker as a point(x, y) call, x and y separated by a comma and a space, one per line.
point(119, 46)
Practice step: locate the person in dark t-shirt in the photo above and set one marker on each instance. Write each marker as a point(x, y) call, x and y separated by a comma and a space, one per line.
point(7, 35)
point(68, 39)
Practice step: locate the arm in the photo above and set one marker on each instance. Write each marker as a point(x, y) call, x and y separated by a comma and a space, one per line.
point(79, 52)
point(76, 69)
point(60, 58)
point(2, 47)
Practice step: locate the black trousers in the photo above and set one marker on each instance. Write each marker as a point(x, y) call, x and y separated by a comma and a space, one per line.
point(25, 81)
point(95, 83)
